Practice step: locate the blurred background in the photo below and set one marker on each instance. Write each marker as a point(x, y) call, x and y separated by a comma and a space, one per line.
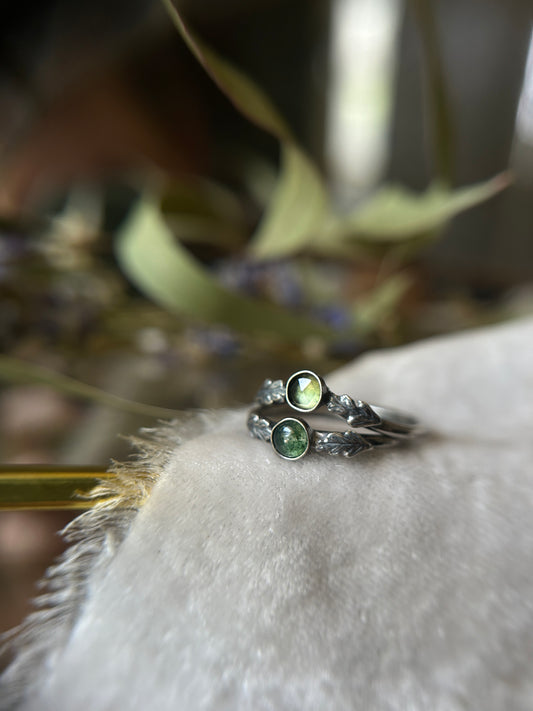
point(402, 105)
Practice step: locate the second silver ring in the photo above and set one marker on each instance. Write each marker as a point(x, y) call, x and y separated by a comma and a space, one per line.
point(306, 392)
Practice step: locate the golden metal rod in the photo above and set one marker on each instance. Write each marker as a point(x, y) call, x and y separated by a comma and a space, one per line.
point(47, 488)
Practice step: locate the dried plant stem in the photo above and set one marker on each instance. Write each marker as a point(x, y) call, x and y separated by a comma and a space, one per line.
point(14, 370)
point(49, 488)
point(439, 103)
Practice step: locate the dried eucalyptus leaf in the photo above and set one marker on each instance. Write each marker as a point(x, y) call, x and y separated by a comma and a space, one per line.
point(298, 209)
point(168, 274)
point(247, 97)
point(201, 211)
point(202, 197)
point(299, 204)
point(299, 216)
point(377, 307)
point(394, 213)
point(195, 229)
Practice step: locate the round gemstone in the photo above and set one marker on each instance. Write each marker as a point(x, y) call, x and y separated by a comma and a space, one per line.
point(304, 391)
point(290, 439)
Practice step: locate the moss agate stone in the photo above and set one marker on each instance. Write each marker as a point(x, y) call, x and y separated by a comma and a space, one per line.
point(290, 438)
point(304, 391)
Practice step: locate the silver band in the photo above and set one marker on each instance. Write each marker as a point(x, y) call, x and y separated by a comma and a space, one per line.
point(347, 444)
point(306, 392)
point(356, 413)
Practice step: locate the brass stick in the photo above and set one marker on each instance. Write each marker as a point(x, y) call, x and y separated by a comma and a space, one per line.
point(47, 488)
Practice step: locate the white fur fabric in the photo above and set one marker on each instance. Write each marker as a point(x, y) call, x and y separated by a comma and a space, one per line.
point(399, 580)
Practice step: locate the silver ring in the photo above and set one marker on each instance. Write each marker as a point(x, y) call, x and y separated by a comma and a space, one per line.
point(292, 438)
point(306, 392)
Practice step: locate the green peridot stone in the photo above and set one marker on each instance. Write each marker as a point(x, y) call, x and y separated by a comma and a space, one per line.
point(304, 391)
point(290, 439)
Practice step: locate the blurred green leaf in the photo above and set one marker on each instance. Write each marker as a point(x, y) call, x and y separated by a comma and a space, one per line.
point(15, 370)
point(168, 274)
point(200, 211)
point(299, 216)
point(199, 196)
point(240, 90)
point(377, 307)
point(299, 203)
point(195, 229)
point(393, 213)
point(298, 209)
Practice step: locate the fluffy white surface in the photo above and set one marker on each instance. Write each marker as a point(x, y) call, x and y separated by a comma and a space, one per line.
point(400, 579)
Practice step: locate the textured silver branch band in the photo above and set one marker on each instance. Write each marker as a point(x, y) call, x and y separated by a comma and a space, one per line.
point(306, 392)
point(292, 438)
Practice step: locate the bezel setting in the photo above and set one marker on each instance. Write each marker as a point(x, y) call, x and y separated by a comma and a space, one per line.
point(313, 377)
point(302, 425)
